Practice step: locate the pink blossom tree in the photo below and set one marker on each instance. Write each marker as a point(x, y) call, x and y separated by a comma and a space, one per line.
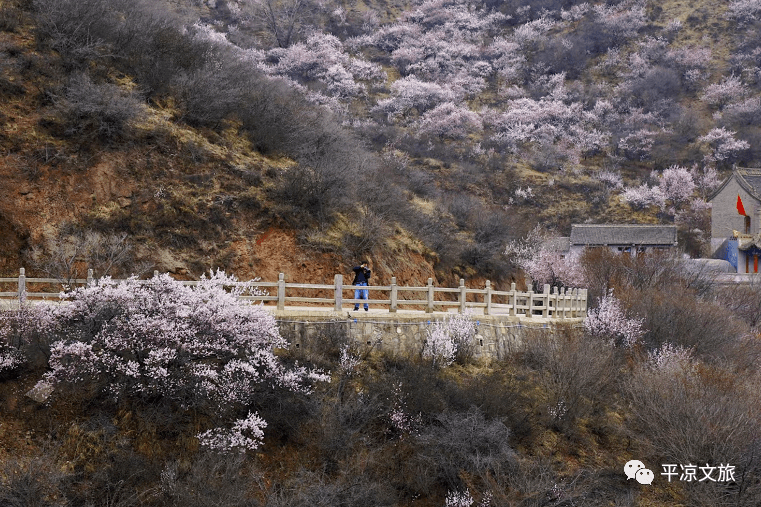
point(731, 89)
point(197, 348)
point(449, 120)
point(539, 258)
point(24, 334)
point(744, 11)
point(412, 93)
point(610, 320)
point(11, 359)
point(722, 145)
point(673, 187)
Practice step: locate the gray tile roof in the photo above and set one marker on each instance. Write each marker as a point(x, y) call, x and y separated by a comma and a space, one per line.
point(613, 234)
point(749, 178)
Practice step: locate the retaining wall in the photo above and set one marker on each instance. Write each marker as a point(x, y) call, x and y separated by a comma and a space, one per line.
point(405, 334)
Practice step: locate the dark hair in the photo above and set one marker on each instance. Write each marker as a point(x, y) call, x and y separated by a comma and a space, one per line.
point(363, 262)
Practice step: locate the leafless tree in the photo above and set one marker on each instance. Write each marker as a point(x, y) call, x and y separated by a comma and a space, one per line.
point(280, 20)
point(70, 253)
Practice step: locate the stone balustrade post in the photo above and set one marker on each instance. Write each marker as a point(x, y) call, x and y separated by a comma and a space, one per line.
point(394, 294)
point(463, 295)
point(281, 291)
point(514, 308)
point(22, 285)
point(338, 292)
point(487, 298)
point(530, 302)
point(546, 300)
point(429, 306)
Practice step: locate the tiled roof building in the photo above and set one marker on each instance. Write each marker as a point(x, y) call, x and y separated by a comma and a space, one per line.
point(736, 220)
point(623, 235)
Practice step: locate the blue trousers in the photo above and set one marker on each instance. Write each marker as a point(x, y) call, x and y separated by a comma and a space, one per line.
point(361, 294)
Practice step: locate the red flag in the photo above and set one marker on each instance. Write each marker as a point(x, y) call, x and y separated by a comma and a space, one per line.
point(740, 208)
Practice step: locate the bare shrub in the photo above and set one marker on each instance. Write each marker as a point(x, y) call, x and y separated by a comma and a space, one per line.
point(98, 111)
point(11, 18)
point(77, 30)
point(743, 300)
point(103, 472)
point(367, 233)
point(536, 483)
point(351, 489)
point(309, 194)
point(211, 479)
point(676, 302)
point(280, 22)
point(464, 441)
point(210, 94)
point(34, 482)
point(349, 421)
point(682, 319)
point(463, 208)
point(133, 32)
point(578, 371)
point(73, 250)
point(693, 413)
point(655, 88)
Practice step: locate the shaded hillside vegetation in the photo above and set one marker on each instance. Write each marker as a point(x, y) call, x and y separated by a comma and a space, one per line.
point(161, 392)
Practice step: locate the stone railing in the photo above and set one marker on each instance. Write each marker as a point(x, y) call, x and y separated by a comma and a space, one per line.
point(550, 303)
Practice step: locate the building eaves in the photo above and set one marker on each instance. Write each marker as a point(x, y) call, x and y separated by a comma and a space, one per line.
point(747, 177)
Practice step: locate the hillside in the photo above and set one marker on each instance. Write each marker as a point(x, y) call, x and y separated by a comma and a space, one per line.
point(431, 136)
point(94, 175)
point(195, 135)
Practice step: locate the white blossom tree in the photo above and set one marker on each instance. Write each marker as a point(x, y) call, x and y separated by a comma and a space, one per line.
point(723, 145)
point(197, 348)
point(450, 339)
point(610, 320)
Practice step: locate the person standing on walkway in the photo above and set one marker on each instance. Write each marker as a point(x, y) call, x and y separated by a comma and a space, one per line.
point(361, 279)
